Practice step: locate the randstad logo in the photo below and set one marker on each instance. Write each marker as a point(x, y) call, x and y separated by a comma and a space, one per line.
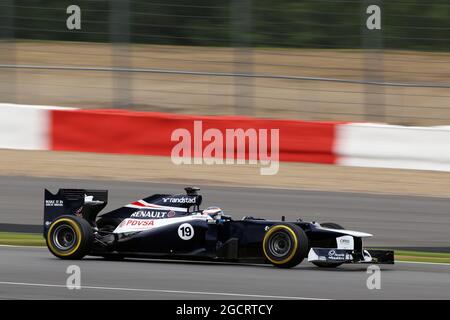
point(212, 146)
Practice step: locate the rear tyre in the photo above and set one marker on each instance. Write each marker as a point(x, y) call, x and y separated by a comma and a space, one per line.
point(285, 245)
point(70, 237)
point(329, 265)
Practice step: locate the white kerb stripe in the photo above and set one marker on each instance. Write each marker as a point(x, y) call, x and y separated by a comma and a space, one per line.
point(24, 128)
point(392, 146)
point(34, 106)
point(207, 293)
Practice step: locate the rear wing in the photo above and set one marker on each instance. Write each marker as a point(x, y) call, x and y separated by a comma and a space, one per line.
point(79, 202)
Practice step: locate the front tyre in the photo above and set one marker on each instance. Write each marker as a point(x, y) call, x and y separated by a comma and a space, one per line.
point(70, 237)
point(285, 245)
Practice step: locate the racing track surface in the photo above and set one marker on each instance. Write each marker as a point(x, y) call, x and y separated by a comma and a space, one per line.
point(33, 273)
point(398, 221)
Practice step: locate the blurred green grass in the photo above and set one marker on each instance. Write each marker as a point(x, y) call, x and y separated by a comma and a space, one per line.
point(21, 239)
point(418, 256)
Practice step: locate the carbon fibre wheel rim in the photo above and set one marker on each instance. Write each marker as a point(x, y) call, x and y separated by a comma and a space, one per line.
point(279, 244)
point(64, 237)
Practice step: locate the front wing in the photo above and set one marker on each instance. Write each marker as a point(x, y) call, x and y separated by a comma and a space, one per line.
point(329, 255)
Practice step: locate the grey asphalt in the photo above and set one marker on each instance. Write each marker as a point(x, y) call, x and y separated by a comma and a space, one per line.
point(396, 221)
point(33, 273)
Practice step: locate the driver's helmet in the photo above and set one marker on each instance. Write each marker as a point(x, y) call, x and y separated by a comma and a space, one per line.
point(213, 212)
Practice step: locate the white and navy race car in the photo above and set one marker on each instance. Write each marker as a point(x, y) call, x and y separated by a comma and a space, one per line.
point(174, 227)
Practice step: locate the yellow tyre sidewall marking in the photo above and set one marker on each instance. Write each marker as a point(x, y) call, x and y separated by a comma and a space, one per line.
point(267, 236)
point(77, 230)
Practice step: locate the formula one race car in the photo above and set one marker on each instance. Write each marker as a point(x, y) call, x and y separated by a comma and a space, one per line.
point(174, 227)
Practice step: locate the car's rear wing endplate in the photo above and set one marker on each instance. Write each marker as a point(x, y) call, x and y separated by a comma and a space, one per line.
point(81, 202)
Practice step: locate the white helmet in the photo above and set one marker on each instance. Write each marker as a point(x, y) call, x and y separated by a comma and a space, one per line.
point(213, 212)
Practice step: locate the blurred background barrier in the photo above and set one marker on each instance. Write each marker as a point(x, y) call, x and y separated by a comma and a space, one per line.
point(310, 60)
point(121, 132)
point(129, 132)
point(151, 133)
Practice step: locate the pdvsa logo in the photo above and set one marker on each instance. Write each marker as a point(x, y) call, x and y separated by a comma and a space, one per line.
point(139, 223)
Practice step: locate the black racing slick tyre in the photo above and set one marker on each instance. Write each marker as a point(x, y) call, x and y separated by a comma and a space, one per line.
point(285, 245)
point(70, 237)
point(329, 265)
